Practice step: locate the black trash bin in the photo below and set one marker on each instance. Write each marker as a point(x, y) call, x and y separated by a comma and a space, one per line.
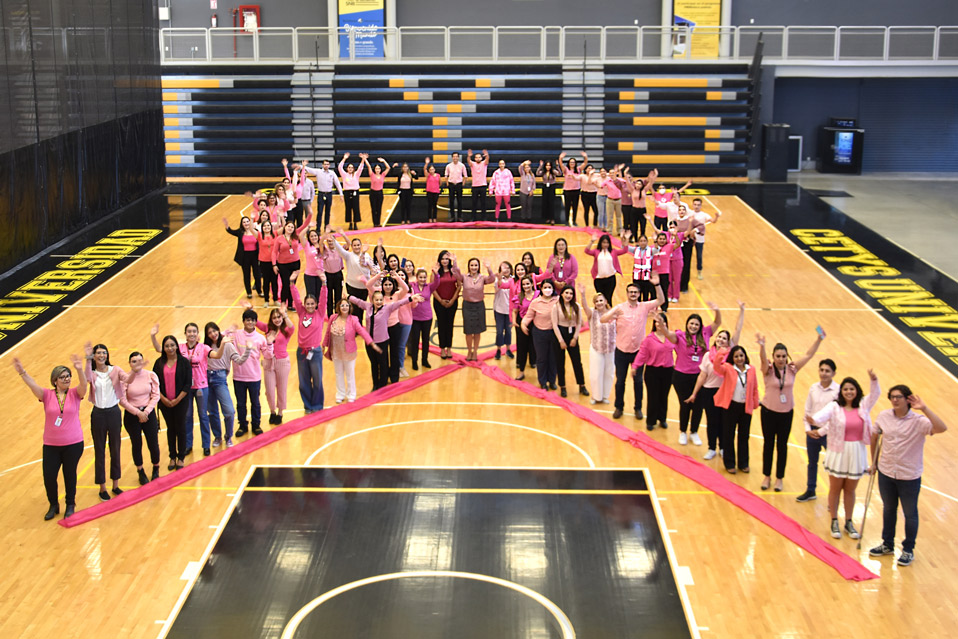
point(775, 152)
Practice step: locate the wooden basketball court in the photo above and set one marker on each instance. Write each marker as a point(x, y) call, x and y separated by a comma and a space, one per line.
point(125, 575)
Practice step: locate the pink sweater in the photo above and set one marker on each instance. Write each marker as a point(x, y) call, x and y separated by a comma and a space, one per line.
point(353, 328)
point(350, 181)
point(249, 370)
point(503, 182)
point(281, 341)
point(310, 324)
point(142, 391)
point(655, 352)
point(616, 252)
point(563, 271)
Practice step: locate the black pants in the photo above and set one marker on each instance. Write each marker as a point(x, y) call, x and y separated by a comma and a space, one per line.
point(478, 202)
point(623, 363)
point(362, 294)
point(395, 335)
point(285, 272)
point(775, 430)
point(175, 418)
point(351, 203)
point(684, 385)
point(148, 430)
point(658, 379)
point(421, 330)
point(646, 290)
point(379, 364)
point(105, 428)
point(250, 260)
point(313, 285)
point(432, 203)
point(455, 202)
point(606, 286)
point(270, 280)
point(296, 213)
point(549, 203)
point(627, 215)
point(687, 265)
point(405, 205)
point(574, 357)
point(572, 206)
point(638, 221)
point(69, 458)
point(546, 346)
point(736, 417)
point(324, 206)
point(588, 202)
point(334, 291)
point(525, 347)
point(713, 414)
point(664, 283)
point(445, 317)
point(376, 206)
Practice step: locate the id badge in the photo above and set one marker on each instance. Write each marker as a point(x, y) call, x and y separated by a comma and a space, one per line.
point(560, 275)
point(291, 251)
point(58, 421)
point(782, 398)
point(309, 355)
point(695, 358)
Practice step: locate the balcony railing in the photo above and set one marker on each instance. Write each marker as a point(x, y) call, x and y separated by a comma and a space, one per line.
point(570, 44)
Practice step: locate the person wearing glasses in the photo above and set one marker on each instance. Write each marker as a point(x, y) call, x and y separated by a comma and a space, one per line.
point(903, 433)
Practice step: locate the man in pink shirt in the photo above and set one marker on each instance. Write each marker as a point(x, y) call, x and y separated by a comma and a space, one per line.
point(631, 319)
point(902, 432)
point(455, 175)
point(478, 164)
point(247, 377)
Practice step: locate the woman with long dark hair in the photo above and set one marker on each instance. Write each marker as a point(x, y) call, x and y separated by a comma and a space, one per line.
point(550, 175)
point(605, 264)
point(265, 256)
point(350, 179)
point(445, 297)
point(691, 349)
point(278, 331)
point(404, 183)
point(247, 252)
point(571, 187)
point(377, 176)
point(519, 306)
point(106, 389)
point(539, 316)
point(286, 257)
point(657, 355)
point(738, 397)
point(173, 371)
point(223, 353)
point(567, 324)
point(562, 264)
point(141, 394)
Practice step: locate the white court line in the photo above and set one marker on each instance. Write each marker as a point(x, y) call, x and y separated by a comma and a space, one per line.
point(114, 276)
point(520, 239)
point(309, 460)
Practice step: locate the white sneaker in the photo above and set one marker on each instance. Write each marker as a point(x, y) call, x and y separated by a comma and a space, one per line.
point(683, 439)
point(593, 401)
point(403, 373)
point(229, 443)
point(696, 439)
point(340, 400)
point(710, 454)
point(216, 443)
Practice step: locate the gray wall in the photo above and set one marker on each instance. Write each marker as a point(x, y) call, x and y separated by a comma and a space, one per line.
point(274, 13)
point(846, 12)
point(528, 12)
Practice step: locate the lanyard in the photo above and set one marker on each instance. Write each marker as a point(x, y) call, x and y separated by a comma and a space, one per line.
point(62, 403)
point(742, 377)
point(781, 381)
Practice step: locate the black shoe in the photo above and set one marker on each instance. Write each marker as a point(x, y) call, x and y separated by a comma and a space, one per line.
point(583, 391)
point(172, 465)
point(206, 452)
point(808, 495)
point(617, 414)
point(650, 425)
point(563, 393)
point(552, 386)
point(544, 387)
point(257, 430)
point(279, 420)
point(156, 473)
point(242, 430)
point(141, 474)
point(426, 364)
point(510, 354)
point(662, 424)
point(272, 418)
point(880, 550)
point(189, 451)
point(71, 508)
point(415, 365)
point(532, 365)
point(104, 496)
point(53, 512)
point(117, 491)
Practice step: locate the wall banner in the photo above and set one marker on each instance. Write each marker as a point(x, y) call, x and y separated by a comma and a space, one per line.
point(697, 14)
point(365, 19)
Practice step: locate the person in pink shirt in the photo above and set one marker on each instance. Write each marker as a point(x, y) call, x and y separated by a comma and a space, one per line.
point(738, 397)
point(309, 351)
point(567, 325)
point(656, 354)
point(278, 331)
point(247, 249)
point(778, 404)
point(333, 265)
point(662, 259)
point(340, 345)
point(141, 394)
point(478, 165)
point(614, 186)
point(270, 280)
point(377, 177)
point(662, 197)
point(474, 305)
point(62, 433)
point(455, 175)
point(421, 318)
point(377, 324)
point(691, 349)
point(588, 191)
point(539, 317)
point(247, 377)
point(286, 257)
point(405, 186)
point(312, 245)
point(605, 264)
point(848, 420)
point(562, 264)
point(503, 186)
point(350, 183)
point(902, 434)
point(394, 289)
point(433, 190)
point(676, 263)
point(630, 320)
point(571, 187)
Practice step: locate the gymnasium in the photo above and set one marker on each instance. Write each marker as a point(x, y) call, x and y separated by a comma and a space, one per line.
point(436, 470)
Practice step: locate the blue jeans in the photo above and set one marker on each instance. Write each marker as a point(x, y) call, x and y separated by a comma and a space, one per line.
point(403, 338)
point(199, 396)
point(242, 389)
point(503, 329)
point(311, 378)
point(814, 447)
point(904, 491)
point(219, 396)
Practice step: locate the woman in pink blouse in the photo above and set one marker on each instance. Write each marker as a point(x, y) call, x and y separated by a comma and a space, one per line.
point(247, 249)
point(266, 238)
point(656, 353)
point(474, 305)
point(778, 404)
point(478, 165)
point(377, 175)
point(562, 264)
point(503, 186)
point(278, 331)
point(340, 345)
point(570, 188)
point(393, 289)
point(662, 259)
point(350, 178)
point(312, 245)
point(433, 190)
point(539, 316)
point(141, 394)
point(605, 264)
point(406, 177)
point(62, 433)
point(601, 348)
point(285, 256)
point(519, 302)
point(588, 189)
point(566, 324)
point(333, 269)
point(692, 348)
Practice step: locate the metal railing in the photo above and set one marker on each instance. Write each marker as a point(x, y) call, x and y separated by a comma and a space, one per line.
point(327, 45)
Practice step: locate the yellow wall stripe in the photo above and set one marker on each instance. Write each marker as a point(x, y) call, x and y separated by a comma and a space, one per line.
point(670, 121)
point(626, 108)
point(440, 158)
point(712, 134)
point(190, 84)
point(440, 133)
point(410, 95)
point(425, 108)
point(440, 121)
point(483, 83)
point(169, 96)
point(626, 146)
point(172, 146)
point(700, 83)
point(396, 83)
point(668, 159)
point(169, 108)
point(626, 95)
point(440, 146)
point(454, 108)
point(172, 134)
point(173, 159)
point(713, 95)
point(171, 121)
point(713, 146)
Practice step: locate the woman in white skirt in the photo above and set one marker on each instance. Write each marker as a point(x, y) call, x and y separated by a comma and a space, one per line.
point(602, 348)
point(847, 423)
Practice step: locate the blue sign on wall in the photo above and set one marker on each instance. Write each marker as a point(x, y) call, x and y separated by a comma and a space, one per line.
point(364, 20)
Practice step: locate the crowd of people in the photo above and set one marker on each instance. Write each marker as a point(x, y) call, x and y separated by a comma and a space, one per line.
point(352, 293)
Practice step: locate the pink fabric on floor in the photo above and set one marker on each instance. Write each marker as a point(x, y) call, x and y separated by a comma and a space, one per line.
point(205, 465)
point(755, 506)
